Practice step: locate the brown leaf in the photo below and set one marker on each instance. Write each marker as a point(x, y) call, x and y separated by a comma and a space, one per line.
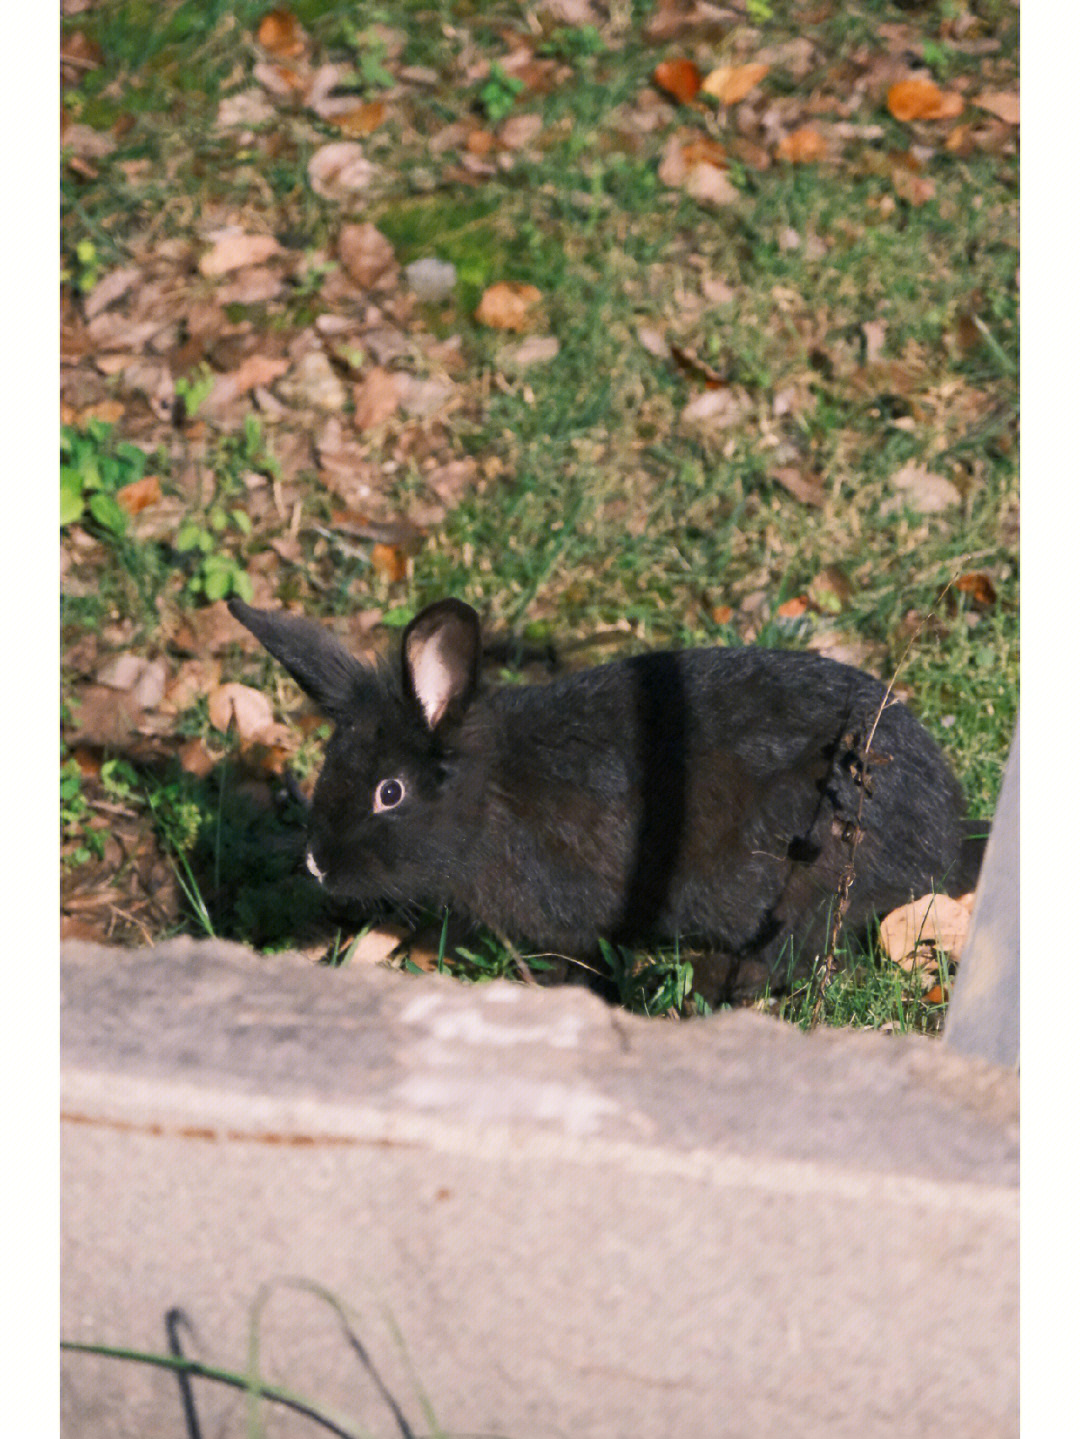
point(803, 146)
point(195, 758)
point(450, 481)
point(709, 185)
point(508, 305)
point(717, 409)
point(683, 151)
point(110, 411)
point(1005, 104)
point(139, 494)
point(979, 586)
point(807, 489)
point(366, 254)
point(680, 78)
point(792, 609)
point(936, 995)
point(912, 934)
point(339, 170)
point(924, 491)
point(234, 249)
point(377, 945)
point(536, 350)
point(830, 591)
point(731, 83)
point(694, 365)
point(377, 397)
point(282, 34)
point(389, 561)
point(723, 615)
point(653, 340)
point(919, 99)
point(255, 370)
point(280, 80)
point(519, 130)
point(109, 289)
point(915, 189)
point(362, 119)
point(248, 709)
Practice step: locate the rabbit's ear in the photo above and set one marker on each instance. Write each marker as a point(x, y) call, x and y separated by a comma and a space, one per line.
point(440, 655)
point(317, 660)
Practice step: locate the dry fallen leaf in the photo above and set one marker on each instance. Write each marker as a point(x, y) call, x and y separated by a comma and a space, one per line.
point(390, 562)
point(709, 185)
point(979, 586)
point(248, 709)
point(915, 189)
point(731, 83)
point(537, 350)
point(338, 170)
point(367, 254)
point(508, 305)
point(807, 489)
point(912, 934)
point(377, 397)
point(794, 608)
point(281, 34)
point(717, 409)
point(108, 290)
point(139, 494)
point(682, 152)
point(233, 250)
point(680, 78)
point(1002, 103)
point(803, 146)
point(254, 371)
point(653, 340)
point(195, 758)
point(376, 946)
point(362, 119)
point(924, 491)
point(519, 130)
point(919, 99)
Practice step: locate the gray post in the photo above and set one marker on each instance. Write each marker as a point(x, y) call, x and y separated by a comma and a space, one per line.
point(984, 1016)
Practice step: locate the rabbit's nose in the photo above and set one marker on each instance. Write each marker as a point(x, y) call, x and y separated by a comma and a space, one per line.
point(314, 868)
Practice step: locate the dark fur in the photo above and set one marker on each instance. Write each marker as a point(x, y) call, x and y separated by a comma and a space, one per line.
point(712, 795)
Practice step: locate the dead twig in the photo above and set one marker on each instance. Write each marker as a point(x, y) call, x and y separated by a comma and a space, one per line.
point(825, 969)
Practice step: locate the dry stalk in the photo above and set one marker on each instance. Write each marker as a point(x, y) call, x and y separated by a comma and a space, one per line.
point(825, 969)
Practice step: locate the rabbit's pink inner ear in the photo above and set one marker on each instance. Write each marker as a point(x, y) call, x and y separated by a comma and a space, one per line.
point(433, 678)
point(441, 653)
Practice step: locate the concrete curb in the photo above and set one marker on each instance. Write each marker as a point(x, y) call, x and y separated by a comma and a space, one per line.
point(580, 1222)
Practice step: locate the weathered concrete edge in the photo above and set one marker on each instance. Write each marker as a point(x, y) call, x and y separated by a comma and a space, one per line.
point(218, 1114)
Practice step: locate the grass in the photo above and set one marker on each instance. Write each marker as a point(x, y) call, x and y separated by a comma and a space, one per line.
point(596, 506)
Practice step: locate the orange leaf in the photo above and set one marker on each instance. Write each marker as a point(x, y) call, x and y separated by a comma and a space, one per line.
point(366, 117)
point(508, 305)
point(196, 759)
point(1002, 103)
point(680, 78)
point(793, 608)
point(139, 494)
point(390, 561)
point(935, 995)
point(808, 490)
point(731, 83)
point(281, 34)
point(803, 146)
point(723, 615)
point(922, 100)
point(979, 586)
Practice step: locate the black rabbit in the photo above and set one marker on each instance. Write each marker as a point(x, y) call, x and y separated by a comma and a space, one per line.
point(714, 795)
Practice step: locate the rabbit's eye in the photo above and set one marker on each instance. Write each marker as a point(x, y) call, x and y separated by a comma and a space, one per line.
point(388, 794)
